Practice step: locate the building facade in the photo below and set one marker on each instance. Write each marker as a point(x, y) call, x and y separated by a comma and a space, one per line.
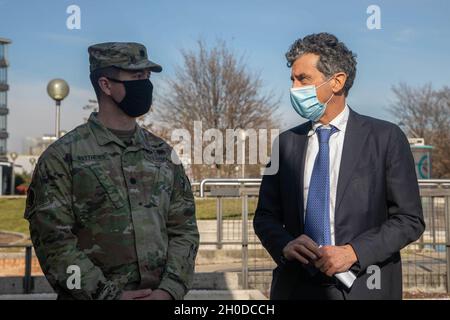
point(5, 165)
point(4, 87)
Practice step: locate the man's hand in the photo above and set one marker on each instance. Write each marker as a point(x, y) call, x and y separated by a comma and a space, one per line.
point(157, 294)
point(135, 294)
point(302, 249)
point(336, 259)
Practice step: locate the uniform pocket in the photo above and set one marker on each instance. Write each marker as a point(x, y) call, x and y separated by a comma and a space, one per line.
point(151, 188)
point(108, 185)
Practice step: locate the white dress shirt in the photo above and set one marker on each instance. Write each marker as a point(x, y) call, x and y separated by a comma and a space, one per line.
point(336, 144)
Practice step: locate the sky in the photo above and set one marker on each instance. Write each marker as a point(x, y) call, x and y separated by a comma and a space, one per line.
point(412, 46)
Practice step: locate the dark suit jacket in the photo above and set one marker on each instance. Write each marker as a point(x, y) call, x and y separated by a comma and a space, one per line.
point(378, 207)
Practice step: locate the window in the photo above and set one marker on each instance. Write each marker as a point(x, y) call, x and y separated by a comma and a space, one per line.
point(3, 76)
point(2, 122)
point(2, 146)
point(3, 100)
point(3, 51)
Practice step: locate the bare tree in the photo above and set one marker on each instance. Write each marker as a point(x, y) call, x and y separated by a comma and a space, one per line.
point(425, 112)
point(217, 88)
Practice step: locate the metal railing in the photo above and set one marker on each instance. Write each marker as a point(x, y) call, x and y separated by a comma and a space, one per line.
point(228, 182)
point(426, 262)
point(439, 183)
point(27, 280)
point(238, 232)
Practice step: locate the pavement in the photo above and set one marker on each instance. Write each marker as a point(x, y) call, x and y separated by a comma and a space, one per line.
point(192, 295)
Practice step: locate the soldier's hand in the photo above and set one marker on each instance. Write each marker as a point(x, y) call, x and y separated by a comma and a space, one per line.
point(157, 294)
point(135, 294)
point(303, 249)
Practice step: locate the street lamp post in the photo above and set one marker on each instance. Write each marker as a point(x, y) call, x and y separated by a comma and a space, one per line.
point(58, 90)
point(243, 136)
point(13, 156)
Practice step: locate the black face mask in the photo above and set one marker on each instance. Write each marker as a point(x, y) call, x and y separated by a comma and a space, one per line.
point(138, 97)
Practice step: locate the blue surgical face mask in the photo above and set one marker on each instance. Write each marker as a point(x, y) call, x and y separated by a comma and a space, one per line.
point(305, 103)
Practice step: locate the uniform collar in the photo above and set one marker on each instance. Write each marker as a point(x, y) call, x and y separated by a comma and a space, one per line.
point(104, 136)
point(340, 122)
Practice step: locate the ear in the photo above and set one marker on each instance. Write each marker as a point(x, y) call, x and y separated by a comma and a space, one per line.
point(105, 85)
point(339, 82)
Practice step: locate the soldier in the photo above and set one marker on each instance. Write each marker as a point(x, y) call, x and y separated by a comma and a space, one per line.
point(107, 200)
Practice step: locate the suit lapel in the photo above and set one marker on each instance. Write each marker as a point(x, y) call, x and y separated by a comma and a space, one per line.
point(355, 137)
point(301, 143)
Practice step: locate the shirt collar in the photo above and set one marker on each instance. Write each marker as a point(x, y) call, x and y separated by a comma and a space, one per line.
point(340, 122)
point(104, 136)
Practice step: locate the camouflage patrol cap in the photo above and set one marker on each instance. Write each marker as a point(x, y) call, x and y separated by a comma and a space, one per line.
point(123, 55)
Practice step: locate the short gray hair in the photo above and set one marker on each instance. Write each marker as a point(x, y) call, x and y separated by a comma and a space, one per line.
point(334, 56)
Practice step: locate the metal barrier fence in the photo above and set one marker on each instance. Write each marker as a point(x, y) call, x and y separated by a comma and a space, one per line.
point(232, 232)
point(27, 280)
point(426, 262)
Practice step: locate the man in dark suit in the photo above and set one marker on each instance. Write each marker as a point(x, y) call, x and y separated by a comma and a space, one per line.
point(345, 196)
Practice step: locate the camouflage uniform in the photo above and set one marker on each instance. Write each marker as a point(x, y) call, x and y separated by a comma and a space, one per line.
point(125, 215)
